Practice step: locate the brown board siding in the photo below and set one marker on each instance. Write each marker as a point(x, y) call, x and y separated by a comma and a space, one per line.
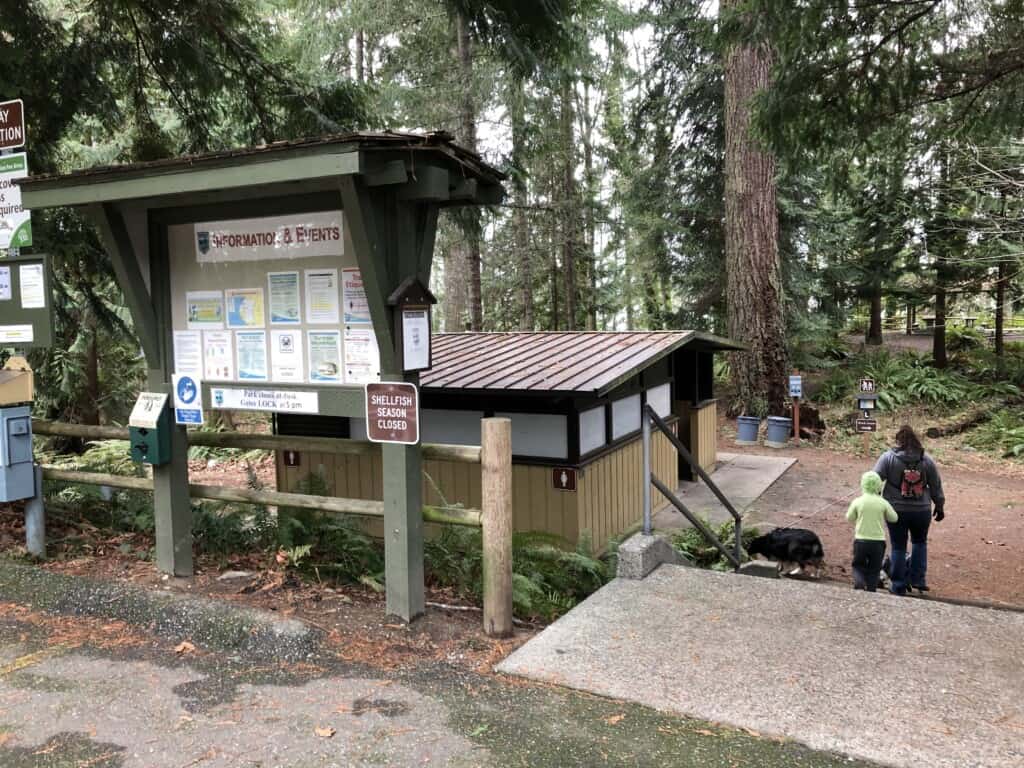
point(704, 434)
point(610, 489)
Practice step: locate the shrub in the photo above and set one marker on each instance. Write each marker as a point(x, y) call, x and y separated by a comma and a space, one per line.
point(691, 543)
point(1003, 434)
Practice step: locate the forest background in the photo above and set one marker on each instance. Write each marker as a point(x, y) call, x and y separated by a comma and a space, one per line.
point(796, 175)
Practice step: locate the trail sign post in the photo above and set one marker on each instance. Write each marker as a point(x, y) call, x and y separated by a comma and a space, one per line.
point(796, 391)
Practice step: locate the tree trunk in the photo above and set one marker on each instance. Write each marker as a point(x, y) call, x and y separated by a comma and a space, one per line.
point(939, 339)
point(91, 406)
point(590, 223)
point(467, 137)
point(569, 212)
point(1000, 312)
point(753, 266)
point(520, 229)
point(360, 53)
point(910, 319)
point(874, 334)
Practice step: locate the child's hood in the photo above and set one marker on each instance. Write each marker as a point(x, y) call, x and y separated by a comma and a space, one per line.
point(871, 482)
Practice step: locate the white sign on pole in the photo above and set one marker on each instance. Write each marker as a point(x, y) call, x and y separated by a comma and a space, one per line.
point(282, 401)
point(415, 339)
point(15, 221)
point(796, 386)
point(188, 399)
point(274, 237)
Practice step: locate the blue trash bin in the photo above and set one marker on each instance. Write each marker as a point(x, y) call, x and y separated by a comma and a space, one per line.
point(779, 431)
point(747, 428)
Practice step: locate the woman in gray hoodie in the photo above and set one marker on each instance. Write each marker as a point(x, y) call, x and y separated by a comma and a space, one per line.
point(913, 487)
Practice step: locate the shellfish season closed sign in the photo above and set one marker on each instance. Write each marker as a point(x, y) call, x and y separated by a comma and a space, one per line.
point(392, 412)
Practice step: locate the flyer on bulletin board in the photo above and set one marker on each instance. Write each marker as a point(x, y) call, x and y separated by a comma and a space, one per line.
point(357, 309)
point(283, 289)
point(218, 359)
point(204, 310)
point(324, 357)
point(251, 349)
point(362, 359)
point(244, 307)
point(321, 296)
point(286, 356)
point(188, 353)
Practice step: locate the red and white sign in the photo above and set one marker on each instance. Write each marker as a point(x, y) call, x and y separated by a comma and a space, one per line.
point(12, 124)
point(274, 237)
point(392, 412)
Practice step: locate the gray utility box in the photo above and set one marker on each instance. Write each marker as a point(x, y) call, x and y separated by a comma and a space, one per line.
point(17, 475)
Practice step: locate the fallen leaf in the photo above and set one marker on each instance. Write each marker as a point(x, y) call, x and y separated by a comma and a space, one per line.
point(5, 737)
point(184, 647)
point(614, 719)
point(704, 732)
point(324, 731)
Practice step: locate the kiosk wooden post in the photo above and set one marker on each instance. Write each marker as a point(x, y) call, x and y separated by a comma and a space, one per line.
point(496, 458)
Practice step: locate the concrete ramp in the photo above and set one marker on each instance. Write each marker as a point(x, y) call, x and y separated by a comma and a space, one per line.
point(900, 681)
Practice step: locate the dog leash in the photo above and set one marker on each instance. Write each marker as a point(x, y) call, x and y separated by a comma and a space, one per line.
point(816, 511)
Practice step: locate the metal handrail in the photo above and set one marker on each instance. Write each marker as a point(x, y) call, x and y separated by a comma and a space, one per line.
point(649, 416)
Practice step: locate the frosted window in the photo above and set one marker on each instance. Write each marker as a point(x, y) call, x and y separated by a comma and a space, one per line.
point(625, 416)
point(450, 427)
point(660, 399)
point(592, 432)
point(539, 434)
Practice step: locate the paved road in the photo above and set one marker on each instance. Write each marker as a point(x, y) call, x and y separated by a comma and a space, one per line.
point(115, 698)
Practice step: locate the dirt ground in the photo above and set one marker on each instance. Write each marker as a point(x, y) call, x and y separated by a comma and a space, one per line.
point(974, 554)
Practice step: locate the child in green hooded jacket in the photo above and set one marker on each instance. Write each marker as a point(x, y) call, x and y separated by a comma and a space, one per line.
point(869, 511)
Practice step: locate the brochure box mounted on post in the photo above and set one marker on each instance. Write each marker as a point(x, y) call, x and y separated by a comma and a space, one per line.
point(149, 429)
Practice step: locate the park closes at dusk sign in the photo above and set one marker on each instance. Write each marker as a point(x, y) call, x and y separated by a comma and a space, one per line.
point(392, 413)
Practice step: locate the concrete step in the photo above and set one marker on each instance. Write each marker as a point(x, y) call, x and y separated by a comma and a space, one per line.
point(900, 681)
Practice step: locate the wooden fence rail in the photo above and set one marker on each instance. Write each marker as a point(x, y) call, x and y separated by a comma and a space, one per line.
point(330, 504)
point(495, 521)
point(469, 454)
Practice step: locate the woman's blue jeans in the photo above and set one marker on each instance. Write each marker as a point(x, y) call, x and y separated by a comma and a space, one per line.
point(915, 526)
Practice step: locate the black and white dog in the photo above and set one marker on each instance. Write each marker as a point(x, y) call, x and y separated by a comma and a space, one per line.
point(788, 546)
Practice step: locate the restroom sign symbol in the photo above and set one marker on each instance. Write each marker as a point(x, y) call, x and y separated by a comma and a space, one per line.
point(563, 478)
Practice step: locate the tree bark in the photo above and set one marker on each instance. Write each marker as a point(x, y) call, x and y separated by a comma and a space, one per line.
point(360, 53)
point(1000, 312)
point(874, 334)
point(520, 230)
point(467, 137)
point(753, 266)
point(569, 212)
point(91, 406)
point(939, 357)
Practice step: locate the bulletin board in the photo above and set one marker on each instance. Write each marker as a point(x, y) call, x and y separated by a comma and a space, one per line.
point(274, 300)
point(26, 306)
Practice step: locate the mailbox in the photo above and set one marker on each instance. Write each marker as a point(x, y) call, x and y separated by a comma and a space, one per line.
point(17, 473)
point(149, 429)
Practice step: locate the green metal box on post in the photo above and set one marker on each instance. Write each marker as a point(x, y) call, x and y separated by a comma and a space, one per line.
point(149, 429)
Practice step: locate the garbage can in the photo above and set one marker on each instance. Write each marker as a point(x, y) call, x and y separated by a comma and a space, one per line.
point(747, 428)
point(779, 431)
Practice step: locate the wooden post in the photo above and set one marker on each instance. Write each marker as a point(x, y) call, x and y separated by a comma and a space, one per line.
point(496, 457)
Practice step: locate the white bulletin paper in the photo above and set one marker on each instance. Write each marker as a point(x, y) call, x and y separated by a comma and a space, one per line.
point(188, 353)
point(356, 307)
point(218, 356)
point(5, 283)
point(324, 357)
point(33, 294)
point(362, 359)
point(286, 356)
point(321, 296)
point(251, 349)
point(283, 290)
point(415, 339)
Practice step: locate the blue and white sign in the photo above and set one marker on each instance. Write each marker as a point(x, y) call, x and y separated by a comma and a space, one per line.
point(796, 386)
point(188, 399)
